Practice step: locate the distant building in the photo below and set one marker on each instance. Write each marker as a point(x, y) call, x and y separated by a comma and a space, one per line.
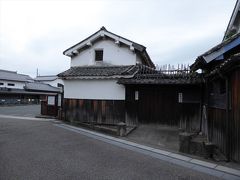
point(13, 80)
point(53, 80)
point(22, 89)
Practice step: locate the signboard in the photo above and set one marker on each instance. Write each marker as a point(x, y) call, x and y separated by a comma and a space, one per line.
point(51, 100)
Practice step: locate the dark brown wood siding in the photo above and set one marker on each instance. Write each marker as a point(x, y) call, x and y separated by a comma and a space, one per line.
point(224, 120)
point(95, 111)
point(217, 130)
point(49, 110)
point(235, 116)
point(159, 104)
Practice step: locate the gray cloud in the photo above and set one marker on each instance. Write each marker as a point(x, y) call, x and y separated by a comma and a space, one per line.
point(34, 34)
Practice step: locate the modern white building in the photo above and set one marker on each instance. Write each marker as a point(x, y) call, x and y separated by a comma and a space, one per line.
point(91, 89)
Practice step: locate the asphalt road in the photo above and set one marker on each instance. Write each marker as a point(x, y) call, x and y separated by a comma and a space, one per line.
point(39, 150)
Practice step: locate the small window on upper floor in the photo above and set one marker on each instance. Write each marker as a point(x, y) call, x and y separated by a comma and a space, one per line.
point(99, 55)
point(11, 84)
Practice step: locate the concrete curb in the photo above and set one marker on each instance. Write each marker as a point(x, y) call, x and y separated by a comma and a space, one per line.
point(199, 165)
point(24, 118)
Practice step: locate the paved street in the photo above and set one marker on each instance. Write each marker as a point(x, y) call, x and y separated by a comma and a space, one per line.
point(31, 149)
point(21, 110)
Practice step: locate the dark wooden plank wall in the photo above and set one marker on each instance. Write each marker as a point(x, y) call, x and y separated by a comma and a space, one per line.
point(217, 132)
point(159, 104)
point(190, 117)
point(49, 110)
point(95, 111)
point(156, 104)
point(235, 116)
point(218, 122)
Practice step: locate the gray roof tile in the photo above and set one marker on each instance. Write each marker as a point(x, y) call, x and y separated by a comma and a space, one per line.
point(163, 79)
point(14, 76)
point(103, 71)
point(46, 78)
point(41, 87)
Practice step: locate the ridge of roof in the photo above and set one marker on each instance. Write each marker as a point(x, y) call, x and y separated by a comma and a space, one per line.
point(161, 78)
point(135, 45)
point(46, 78)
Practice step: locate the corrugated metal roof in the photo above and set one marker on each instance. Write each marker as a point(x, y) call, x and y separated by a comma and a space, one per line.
point(14, 76)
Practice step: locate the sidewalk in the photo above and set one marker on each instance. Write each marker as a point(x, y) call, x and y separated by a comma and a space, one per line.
point(175, 158)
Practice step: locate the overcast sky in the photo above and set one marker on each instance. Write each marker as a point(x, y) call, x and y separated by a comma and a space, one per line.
point(33, 34)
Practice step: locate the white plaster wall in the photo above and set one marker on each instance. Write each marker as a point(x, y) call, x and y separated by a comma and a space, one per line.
point(94, 89)
point(112, 54)
point(18, 85)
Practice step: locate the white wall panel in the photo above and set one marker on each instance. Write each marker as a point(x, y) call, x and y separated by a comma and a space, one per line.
point(17, 85)
point(94, 89)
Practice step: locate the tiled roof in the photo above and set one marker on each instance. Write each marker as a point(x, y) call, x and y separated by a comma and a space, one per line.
point(14, 76)
point(200, 61)
point(46, 78)
point(164, 79)
point(219, 46)
point(103, 71)
point(227, 65)
point(41, 87)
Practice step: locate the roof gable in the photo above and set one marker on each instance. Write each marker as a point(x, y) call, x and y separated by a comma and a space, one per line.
point(103, 33)
point(234, 23)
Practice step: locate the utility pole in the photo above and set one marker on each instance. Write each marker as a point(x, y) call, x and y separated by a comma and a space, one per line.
point(37, 72)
